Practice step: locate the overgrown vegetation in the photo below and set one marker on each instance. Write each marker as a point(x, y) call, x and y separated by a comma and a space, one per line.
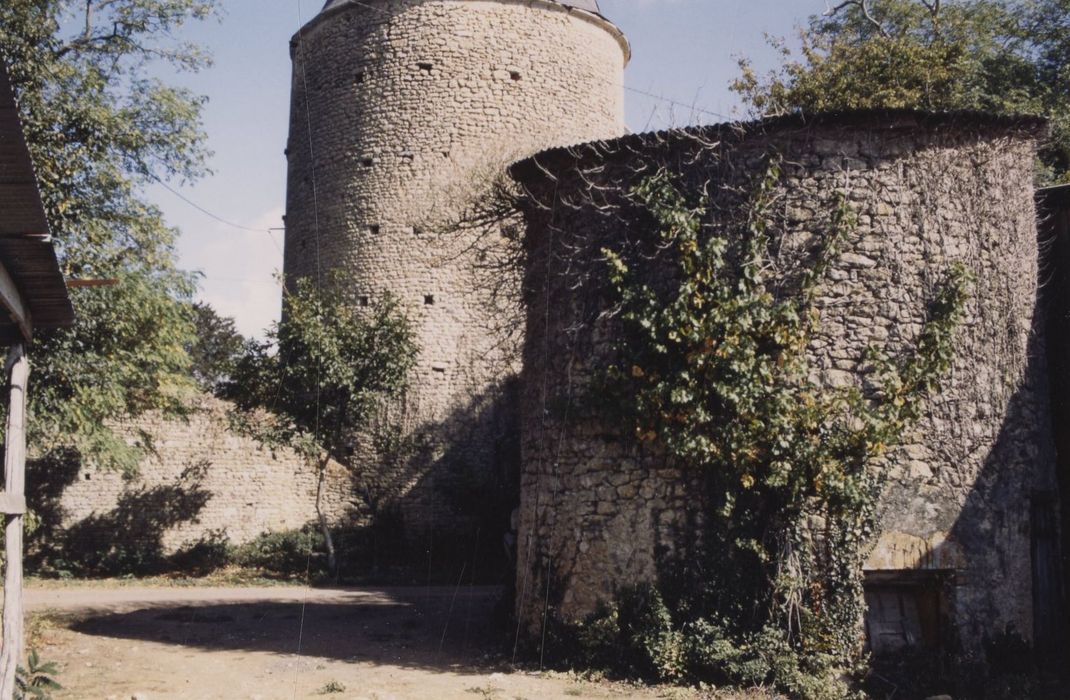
point(1002, 56)
point(714, 372)
point(37, 679)
point(331, 687)
point(215, 349)
point(322, 376)
point(101, 127)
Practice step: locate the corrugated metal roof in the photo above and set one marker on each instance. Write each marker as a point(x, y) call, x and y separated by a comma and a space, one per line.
point(20, 202)
point(26, 249)
point(589, 5)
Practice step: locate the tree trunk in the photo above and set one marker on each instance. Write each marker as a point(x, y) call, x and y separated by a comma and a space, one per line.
point(332, 557)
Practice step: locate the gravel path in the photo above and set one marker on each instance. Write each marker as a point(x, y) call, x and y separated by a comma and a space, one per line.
point(193, 643)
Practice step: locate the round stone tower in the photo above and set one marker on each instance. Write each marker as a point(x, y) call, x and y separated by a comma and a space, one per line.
point(961, 536)
point(403, 114)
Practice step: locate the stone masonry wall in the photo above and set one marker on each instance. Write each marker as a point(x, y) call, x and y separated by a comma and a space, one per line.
point(210, 481)
point(403, 114)
point(598, 511)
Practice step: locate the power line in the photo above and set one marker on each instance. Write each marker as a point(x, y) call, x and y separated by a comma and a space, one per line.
point(269, 231)
point(677, 103)
point(240, 227)
point(204, 211)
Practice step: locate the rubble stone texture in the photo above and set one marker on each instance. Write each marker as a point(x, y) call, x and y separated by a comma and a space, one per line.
point(599, 511)
point(403, 114)
point(247, 490)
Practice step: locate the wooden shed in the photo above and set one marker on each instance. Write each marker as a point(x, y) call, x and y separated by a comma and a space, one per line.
point(33, 296)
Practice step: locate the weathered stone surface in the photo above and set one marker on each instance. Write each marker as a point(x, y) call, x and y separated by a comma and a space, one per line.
point(250, 490)
point(403, 114)
point(931, 191)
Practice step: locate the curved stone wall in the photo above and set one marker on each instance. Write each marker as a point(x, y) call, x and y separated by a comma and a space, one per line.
point(403, 113)
point(598, 512)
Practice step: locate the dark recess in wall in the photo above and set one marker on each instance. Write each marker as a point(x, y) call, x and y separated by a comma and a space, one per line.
point(1053, 208)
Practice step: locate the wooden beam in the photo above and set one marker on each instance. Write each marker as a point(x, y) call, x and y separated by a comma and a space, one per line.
point(12, 503)
point(12, 301)
point(14, 486)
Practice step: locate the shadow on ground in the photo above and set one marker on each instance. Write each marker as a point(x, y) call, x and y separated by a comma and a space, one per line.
point(437, 629)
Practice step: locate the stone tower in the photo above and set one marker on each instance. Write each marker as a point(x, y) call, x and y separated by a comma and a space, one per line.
point(966, 545)
point(403, 112)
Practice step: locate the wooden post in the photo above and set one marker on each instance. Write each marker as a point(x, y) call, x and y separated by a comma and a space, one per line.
point(14, 506)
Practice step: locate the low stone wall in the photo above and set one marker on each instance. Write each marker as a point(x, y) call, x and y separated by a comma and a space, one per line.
point(202, 481)
point(599, 511)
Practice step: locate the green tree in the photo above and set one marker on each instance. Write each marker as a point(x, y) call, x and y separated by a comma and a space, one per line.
point(100, 128)
point(324, 372)
point(1001, 56)
point(215, 349)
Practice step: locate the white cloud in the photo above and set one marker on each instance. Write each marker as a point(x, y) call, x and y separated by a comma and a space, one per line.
point(239, 269)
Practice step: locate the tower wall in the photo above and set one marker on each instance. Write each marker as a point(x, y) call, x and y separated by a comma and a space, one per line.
point(599, 511)
point(403, 113)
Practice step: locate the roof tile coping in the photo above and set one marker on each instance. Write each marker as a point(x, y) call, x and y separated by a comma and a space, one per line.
point(878, 119)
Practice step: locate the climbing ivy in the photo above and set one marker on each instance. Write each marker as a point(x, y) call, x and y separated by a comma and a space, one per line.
point(713, 371)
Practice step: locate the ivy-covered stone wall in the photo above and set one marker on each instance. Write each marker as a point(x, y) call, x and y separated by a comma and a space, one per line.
point(601, 510)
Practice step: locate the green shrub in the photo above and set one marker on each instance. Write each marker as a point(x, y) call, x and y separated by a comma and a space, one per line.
point(200, 558)
point(37, 679)
point(288, 552)
point(637, 636)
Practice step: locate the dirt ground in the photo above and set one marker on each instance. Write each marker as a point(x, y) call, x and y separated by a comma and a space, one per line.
point(274, 643)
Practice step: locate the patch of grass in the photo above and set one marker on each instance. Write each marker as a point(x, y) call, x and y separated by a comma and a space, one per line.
point(228, 576)
point(38, 625)
point(332, 687)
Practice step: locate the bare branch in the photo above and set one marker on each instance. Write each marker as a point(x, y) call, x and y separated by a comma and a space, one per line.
point(88, 19)
point(864, 7)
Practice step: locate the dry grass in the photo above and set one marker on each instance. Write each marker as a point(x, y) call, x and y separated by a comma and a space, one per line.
point(234, 576)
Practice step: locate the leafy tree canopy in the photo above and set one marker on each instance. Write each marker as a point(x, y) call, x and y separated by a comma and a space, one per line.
point(101, 127)
point(215, 349)
point(1002, 56)
point(324, 370)
point(321, 377)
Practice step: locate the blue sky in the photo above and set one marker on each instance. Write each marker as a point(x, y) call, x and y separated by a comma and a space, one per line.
point(683, 50)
